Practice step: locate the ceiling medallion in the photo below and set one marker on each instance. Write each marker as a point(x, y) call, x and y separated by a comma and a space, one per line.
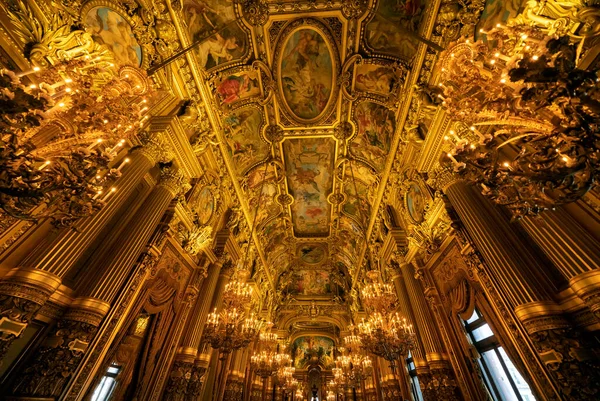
point(285, 199)
point(274, 133)
point(343, 131)
point(307, 61)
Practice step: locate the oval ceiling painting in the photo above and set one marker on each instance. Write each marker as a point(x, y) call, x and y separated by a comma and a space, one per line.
point(306, 73)
point(109, 28)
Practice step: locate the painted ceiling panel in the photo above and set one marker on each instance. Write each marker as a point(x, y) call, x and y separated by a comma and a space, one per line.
point(242, 130)
point(206, 17)
point(393, 24)
point(309, 166)
point(376, 126)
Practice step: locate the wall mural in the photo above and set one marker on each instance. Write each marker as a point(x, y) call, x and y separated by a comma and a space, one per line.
point(204, 17)
point(376, 126)
point(393, 20)
point(307, 282)
point(237, 86)
point(110, 29)
point(242, 130)
point(375, 78)
point(309, 163)
point(306, 73)
point(313, 350)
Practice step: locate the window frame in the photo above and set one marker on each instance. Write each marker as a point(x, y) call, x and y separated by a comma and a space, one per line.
point(490, 343)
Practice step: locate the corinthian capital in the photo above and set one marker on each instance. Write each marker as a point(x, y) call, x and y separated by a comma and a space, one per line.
point(174, 180)
point(156, 148)
point(442, 177)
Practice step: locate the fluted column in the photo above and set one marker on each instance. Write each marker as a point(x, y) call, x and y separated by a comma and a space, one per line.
point(434, 349)
point(184, 370)
point(60, 354)
point(527, 285)
point(25, 289)
point(573, 250)
point(217, 300)
point(418, 352)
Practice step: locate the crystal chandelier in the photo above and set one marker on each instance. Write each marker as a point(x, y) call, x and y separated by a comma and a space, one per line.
point(384, 333)
point(230, 329)
point(233, 328)
point(59, 133)
point(263, 364)
point(528, 117)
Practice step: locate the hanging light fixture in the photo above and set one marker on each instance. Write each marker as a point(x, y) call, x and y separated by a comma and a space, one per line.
point(231, 329)
point(385, 332)
point(234, 327)
point(60, 133)
point(528, 117)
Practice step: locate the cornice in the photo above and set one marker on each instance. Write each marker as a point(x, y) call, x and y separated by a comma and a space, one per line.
point(403, 114)
point(188, 162)
point(215, 123)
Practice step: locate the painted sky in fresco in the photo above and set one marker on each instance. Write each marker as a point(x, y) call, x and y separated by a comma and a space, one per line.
point(309, 163)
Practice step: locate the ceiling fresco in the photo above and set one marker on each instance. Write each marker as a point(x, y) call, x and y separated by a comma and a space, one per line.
point(389, 31)
point(242, 129)
point(309, 166)
point(307, 97)
point(205, 17)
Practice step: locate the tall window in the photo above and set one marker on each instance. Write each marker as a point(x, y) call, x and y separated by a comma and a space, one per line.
point(415, 387)
point(502, 379)
point(107, 385)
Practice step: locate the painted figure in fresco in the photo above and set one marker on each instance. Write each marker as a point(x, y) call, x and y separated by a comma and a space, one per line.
point(236, 87)
point(242, 132)
point(388, 30)
point(109, 28)
point(377, 80)
point(206, 17)
point(376, 125)
point(217, 47)
point(306, 73)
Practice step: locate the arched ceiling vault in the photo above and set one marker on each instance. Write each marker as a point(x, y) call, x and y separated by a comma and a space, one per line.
point(309, 100)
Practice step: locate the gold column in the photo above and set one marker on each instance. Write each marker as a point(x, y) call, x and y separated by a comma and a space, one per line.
point(65, 349)
point(27, 287)
point(185, 374)
point(418, 352)
point(574, 251)
point(213, 355)
point(527, 285)
point(435, 353)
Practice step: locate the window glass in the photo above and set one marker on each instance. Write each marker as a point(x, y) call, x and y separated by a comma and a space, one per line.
point(501, 377)
point(473, 317)
point(522, 386)
point(107, 384)
point(482, 332)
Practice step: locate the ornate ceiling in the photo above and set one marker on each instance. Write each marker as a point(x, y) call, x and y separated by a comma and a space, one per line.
point(313, 88)
point(306, 107)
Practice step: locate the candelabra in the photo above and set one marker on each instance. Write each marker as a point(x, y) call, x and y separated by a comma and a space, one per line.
point(529, 117)
point(230, 330)
point(384, 333)
point(233, 328)
point(59, 134)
